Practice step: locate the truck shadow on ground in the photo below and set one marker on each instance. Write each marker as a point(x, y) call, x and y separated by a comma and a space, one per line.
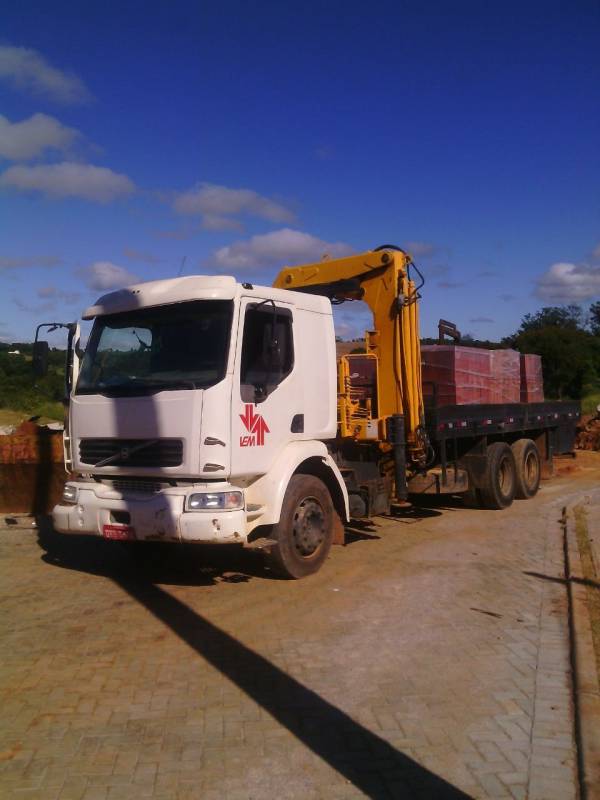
point(434, 504)
point(179, 565)
point(362, 757)
point(358, 530)
point(564, 581)
point(152, 562)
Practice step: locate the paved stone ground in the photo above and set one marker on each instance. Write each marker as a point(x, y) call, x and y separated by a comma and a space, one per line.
point(593, 525)
point(428, 659)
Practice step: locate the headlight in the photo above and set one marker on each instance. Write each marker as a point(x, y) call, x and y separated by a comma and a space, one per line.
point(69, 494)
point(223, 501)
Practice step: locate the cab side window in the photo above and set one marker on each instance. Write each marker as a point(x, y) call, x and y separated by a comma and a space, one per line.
point(267, 351)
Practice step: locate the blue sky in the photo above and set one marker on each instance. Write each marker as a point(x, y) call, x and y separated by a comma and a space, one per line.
point(247, 136)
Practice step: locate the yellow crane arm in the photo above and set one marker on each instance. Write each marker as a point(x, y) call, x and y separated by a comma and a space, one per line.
point(381, 279)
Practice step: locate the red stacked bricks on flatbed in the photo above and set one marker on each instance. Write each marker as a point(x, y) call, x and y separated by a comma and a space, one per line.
point(532, 379)
point(506, 376)
point(457, 375)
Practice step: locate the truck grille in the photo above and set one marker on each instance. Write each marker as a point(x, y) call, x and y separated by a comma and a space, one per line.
point(135, 485)
point(151, 453)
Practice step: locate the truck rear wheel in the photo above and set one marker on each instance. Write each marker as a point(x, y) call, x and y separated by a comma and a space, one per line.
point(498, 490)
point(528, 472)
point(305, 529)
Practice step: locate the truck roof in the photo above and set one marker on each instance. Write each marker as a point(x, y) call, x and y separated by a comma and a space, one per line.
point(197, 287)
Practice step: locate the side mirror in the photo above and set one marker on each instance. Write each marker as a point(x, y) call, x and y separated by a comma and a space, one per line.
point(40, 359)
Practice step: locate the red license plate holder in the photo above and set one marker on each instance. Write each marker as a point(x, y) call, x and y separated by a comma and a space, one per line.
point(122, 533)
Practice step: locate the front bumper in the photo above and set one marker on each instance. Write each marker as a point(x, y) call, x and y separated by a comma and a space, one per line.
point(154, 517)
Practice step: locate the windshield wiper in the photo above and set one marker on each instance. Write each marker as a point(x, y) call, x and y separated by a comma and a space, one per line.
point(125, 452)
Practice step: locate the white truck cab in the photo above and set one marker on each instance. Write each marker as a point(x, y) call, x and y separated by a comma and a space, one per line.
point(200, 412)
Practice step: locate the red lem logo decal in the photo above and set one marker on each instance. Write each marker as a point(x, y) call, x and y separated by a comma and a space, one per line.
point(255, 425)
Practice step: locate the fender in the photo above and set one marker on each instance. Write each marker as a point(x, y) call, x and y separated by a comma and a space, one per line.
point(264, 497)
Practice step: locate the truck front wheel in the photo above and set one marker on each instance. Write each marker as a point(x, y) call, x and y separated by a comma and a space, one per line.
point(498, 490)
point(304, 532)
point(527, 460)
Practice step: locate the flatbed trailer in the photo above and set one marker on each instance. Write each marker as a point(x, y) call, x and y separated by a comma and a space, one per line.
point(461, 435)
point(453, 430)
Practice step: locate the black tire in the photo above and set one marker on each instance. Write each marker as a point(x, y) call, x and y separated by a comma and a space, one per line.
point(498, 490)
point(305, 529)
point(528, 468)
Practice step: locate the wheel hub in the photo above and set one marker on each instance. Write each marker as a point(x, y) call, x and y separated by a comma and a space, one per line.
point(530, 469)
point(308, 527)
point(505, 477)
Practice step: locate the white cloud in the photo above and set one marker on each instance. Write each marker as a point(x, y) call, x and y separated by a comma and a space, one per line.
point(282, 247)
point(141, 255)
point(216, 203)
point(487, 273)
point(212, 222)
point(10, 262)
point(421, 249)
point(325, 153)
point(177, 233)
point(103, 275)
point(209, 222)
point(47, 292)
point(27, 69)
point(450, 284)
point(40, 308)
point(29, 138)
point(53, 300)
point(69, 179)
point(437, 271)
point(566, 282)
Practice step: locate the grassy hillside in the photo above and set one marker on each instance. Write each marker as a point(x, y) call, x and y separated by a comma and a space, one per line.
point(22, 394)
point(591, 401)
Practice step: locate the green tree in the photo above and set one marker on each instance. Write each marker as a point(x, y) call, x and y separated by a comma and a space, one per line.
point(20, 390)
point(570, 317)
point(570, 357)
point(594, 318)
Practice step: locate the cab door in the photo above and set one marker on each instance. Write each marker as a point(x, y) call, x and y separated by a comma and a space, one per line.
point(267, 394)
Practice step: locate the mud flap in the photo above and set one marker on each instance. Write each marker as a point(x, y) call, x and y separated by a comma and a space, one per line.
point(339, 533)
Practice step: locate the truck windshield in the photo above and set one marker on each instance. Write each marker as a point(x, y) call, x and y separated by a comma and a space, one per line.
point(181, 346)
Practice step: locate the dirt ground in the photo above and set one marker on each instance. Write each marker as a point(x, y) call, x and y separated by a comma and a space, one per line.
point(428, 659)
point(588, 433)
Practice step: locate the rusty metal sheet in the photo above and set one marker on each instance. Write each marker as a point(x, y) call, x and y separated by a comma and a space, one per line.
point(31, 444)
point(32, 474)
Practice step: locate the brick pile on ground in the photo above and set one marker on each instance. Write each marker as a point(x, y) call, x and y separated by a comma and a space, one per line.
point(588, 433)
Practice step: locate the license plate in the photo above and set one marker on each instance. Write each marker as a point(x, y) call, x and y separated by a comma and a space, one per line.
point(119, 532)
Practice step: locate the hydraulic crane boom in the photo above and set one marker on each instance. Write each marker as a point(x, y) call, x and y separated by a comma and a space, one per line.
point(381, 278)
